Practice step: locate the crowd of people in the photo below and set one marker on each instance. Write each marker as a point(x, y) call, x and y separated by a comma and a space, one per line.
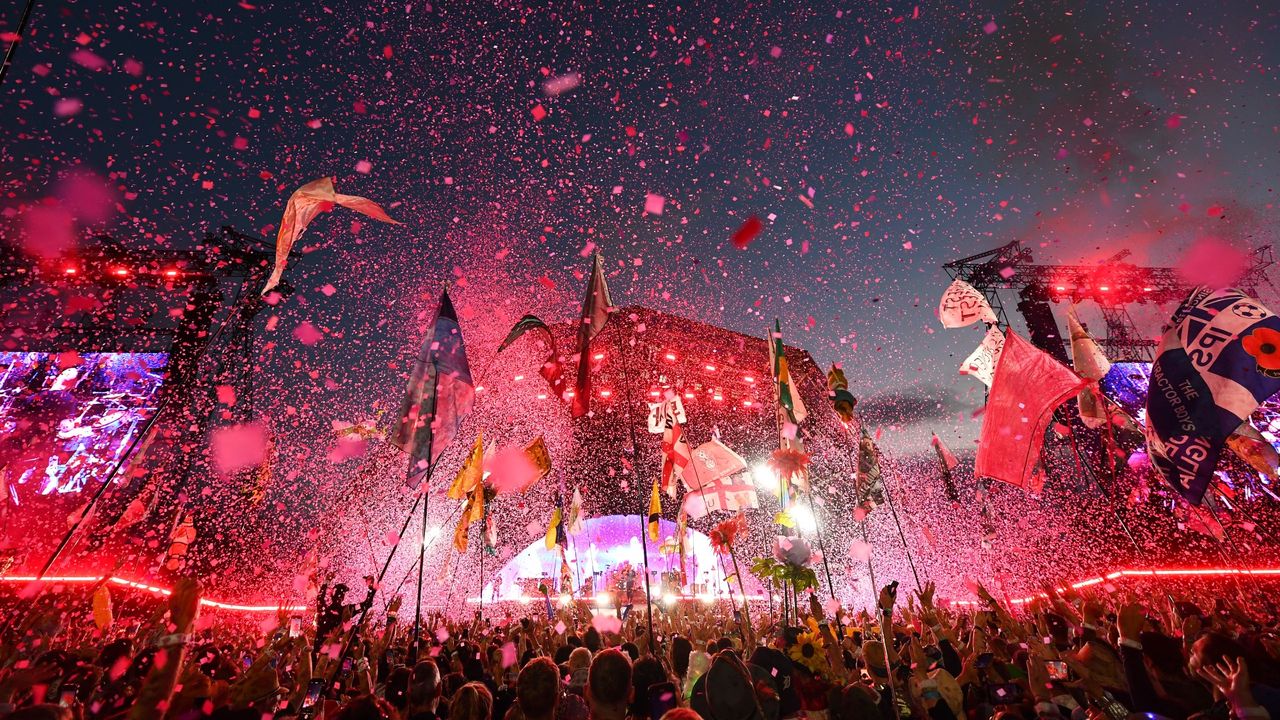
point(1084, 655)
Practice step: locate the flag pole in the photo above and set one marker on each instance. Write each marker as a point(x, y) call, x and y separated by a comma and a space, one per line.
point(853, 468)
point(426, 502)
point(746, 604)
point(893, 509)
point(635, 451)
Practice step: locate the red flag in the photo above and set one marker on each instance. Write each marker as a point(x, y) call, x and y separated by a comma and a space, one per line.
point(596, 307)
point(1028, 385)
point(675, 457)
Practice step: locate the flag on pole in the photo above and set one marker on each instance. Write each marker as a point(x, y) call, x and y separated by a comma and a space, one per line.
point(870, 481)
point(947, 462)
point(552, 370)
point(471, 472)
point(655, 512)
point(711, 461)
point(440, 392)
point(676, 456)
point(1090, 363)
point(596, 307)
point(720, 495)
point(555, 528)
point(473, 511)
point(788, 395)
point(1028, 385)
point(304, 205)
point(184, 533)
point(576, 522)
point(1218, 361)
point(982, 362)
point(1247, 443)
point(841, 398)
point(963, 305)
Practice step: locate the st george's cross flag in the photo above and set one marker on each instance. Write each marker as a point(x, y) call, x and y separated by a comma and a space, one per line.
point(676, 456)
point(1028, 385)
point(724, 495)
point(596, 306)
point(439, 395)
point(1218, 361)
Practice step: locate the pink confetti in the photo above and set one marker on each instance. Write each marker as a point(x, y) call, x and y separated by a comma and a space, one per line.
point(307, 334)
point(654, 204)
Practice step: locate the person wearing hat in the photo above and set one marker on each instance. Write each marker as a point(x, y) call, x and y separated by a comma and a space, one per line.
point(734, 690)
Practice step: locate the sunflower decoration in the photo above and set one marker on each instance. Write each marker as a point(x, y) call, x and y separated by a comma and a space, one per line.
point(1263, 345)
point(789, 463)
point(808, 651)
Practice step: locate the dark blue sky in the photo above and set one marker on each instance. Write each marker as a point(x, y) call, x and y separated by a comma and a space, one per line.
point(876, 141)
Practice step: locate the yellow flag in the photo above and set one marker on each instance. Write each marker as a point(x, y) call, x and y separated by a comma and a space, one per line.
point(550, 540)
point(655, 512)
point(470, 473)
point(537, 453)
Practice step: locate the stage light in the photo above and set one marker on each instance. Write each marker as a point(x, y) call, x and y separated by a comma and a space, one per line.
point(171, 273)
point(746, 403)
point(598, 356)
point(654, 393)
point(717, 397)
point(710, 368)
point(1146, 289)
point(1104, 288)
point(565, 599)
point(518, 378)
point(707, 598)
point(688, 395)
point(805, 520)
point(748, 379)
point(604, 599)
point(606, 393)
point(542, 396)
point(1062, 288)
point(671, 357)
point(669, 599)
point(69, 271)
point(431, 536)
point(765, 478)
point(119, 272)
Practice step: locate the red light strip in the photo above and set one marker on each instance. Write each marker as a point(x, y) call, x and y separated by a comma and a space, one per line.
point(219, 605)
point(1161, 573)
point(153, 589)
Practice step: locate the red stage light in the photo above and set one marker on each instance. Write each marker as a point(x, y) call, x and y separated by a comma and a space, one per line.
point(119, 272)
point(688, 395)
point(542, 396)
point(518, 378)
point(598, 356)
point(70, 271)
point(1062, 288)
point(748, 378)
point(711, 368)
point(171, 273)
point(606, 393)
point(1104, 288)
point(671, 357)
point(746, 403)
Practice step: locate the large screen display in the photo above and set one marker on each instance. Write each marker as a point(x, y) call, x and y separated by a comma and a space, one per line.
point(66, 419)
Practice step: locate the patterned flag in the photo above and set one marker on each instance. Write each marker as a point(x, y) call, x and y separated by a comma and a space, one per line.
point(555, 528)
point(1091, 364)
point(711, 461)
point(1218, 361)
point(870, 482)
point(841, 398)
point(577, 516)
point(596, 307)
point(1250, 446)
point(1029, 384)
point(947, 462)
point(655, 512)
point(788, 395)
point(472, 512)
point(676, 456)
point(184, 533)
point(963, 305)
point(440, 391)
point(720, 495)
point(982, 362)
point(304, 205)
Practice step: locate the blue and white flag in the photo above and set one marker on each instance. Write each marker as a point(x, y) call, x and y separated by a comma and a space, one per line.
point(1218, 361)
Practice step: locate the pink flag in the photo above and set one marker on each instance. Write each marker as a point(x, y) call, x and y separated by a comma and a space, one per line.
point(1028, 385)
point(304, 205)
point(720, 495)
point(711, 461)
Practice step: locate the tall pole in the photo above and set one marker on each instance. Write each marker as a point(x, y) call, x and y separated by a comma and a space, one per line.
point(644, 525)
point(426, 500)
point(17, 38)
point(888, 496)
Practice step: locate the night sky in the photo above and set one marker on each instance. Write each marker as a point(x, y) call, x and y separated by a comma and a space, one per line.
point(874, 141)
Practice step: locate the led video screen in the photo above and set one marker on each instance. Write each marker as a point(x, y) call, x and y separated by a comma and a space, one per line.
point(66, 419)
